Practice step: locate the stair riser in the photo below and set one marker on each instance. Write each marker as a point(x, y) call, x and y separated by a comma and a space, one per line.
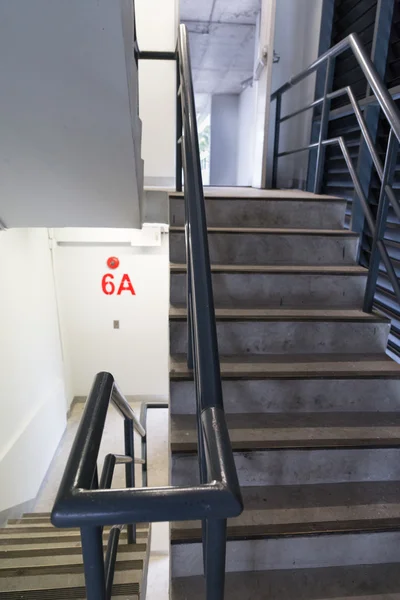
point(272, 249)
point(261, 213)
point(285, 290)
point(289, 337)
point(334, 395)
point(293, 553)
point(291, 467)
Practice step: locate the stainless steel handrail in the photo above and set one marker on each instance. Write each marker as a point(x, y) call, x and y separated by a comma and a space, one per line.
point(354, 43)
point(385, 172)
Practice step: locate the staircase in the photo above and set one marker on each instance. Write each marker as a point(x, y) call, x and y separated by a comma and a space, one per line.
point(39, 562)
point(312, 403)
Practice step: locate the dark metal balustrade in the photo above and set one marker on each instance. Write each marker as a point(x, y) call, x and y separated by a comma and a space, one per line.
point(85, 502)
point(385, 172)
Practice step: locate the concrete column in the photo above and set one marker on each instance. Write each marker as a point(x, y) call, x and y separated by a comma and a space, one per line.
point(224, 139)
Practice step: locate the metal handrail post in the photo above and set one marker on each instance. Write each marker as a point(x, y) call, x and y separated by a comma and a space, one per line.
point(278, 114)
point(215, 559)
point(93, 562)
point(178, 158)
point(381, 217)
point(323, 132)
point(130, 471)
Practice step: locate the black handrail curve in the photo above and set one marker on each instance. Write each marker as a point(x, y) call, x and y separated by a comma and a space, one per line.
point(80, 502)
point(385, 172)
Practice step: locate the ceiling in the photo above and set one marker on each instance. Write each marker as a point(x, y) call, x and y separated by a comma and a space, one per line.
point(222, 36)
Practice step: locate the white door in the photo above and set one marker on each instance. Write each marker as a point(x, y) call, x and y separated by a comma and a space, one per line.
point(265, 54)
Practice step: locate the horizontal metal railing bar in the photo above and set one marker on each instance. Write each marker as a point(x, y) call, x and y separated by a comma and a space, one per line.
point(346, 110)
point(121, 459)
point(124, 408)
point(330, 96)
point(367, 211)
point(78, 505)
point(143, 505)
point(157, 55)
point(381, 93)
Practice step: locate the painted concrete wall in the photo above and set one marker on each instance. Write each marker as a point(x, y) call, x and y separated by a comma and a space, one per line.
point(136, 353)
point(297, 32)
point(32, 393)
point(157, 23)
point(224, 139)
point(66, 151)
point(246, 124)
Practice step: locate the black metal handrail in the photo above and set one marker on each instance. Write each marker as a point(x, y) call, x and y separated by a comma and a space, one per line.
point(81, 500)
point(385, 172)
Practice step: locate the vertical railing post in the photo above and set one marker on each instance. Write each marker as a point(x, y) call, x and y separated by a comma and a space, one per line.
point(189, 298)
point(278, 111)
point(93, 562)
point(111, 557)
point(215, 559)
point(323, 130)
point(381, 217)
point(178, 165)
point(130, 470)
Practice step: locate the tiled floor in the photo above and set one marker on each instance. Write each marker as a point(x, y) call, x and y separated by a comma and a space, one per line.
point(158, 580)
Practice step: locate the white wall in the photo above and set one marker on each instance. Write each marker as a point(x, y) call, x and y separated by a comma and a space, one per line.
point(66, 143)
point(32, 395)
point(157, 22)
point(245, 165)
point(136, 353)
point(297, 32)
point(224, 139)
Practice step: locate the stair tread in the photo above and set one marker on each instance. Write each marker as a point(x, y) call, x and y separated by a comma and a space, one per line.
point(296, 366)
point(47, 527)
point(64, 565)
point(281, 269)
point(285, 314)
point(258, 194)
point(64, 580)
point(274, 511)
point(272, 231)
point(68, 548)
point(264, 431)
point(358, 582)
point(58, 537)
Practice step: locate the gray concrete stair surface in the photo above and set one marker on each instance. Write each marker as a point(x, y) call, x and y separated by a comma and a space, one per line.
point(244, 246)
point(38, 561)
point(262, 286)
point(312, 403)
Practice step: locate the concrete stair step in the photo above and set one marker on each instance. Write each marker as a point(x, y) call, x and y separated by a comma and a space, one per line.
point(61, 568)
point(285, 331)
point(53, 562)
point(295, 395)
point(321, 212)
point(58, 536)
point(15, 526)
point(75, 582)
point(296, 366)
point(359, 582)
point(299, 510)
point(52, 549)
point(179, 313)
point(273, 246)
point(269, 431)
point(272, 286)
